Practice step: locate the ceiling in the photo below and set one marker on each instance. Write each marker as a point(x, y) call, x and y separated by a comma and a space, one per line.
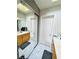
point(23, 8)
point(43, 4)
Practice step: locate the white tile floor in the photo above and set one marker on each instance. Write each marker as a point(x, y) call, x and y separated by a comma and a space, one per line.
point(27, 50)
point(38, 52)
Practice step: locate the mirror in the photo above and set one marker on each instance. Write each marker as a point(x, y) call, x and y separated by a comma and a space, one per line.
point(26, 30)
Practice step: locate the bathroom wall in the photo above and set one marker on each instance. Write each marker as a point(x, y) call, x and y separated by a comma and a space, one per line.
point(22, 19)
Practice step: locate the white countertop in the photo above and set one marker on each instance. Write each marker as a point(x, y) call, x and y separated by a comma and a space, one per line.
point(23, 32)
point(57, 43)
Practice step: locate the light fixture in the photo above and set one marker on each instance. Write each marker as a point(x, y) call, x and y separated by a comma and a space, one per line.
point(22, 8)
point(18, 18)
point(54, 0)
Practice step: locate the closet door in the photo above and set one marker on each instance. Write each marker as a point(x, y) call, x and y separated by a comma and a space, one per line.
point(34, 29)
point(31, 23)
point(46, 32)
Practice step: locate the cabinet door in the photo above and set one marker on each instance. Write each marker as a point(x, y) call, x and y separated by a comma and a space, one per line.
point(19, 40)
point(26, 37)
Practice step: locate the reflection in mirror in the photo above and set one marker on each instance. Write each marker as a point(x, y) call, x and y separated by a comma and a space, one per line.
point(26, 31)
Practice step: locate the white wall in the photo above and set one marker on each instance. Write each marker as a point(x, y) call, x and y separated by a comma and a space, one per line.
point(22, 19)
point(28, 21)
point(56, 22)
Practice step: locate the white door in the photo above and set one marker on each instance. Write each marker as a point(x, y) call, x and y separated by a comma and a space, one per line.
point(34, 29)
point(46, 30)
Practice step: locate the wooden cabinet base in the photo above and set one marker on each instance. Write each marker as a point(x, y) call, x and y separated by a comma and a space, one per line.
point(23, 38)
point(26, 37)
point(19, 40)
point(54, 53)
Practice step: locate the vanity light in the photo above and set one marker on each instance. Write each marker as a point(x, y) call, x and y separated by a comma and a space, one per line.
point(22, 8)
point(54, 0)
point(18, 18)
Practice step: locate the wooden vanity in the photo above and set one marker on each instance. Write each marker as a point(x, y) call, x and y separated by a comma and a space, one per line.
point(56, 48)
point(54, 53)
point(22, 37)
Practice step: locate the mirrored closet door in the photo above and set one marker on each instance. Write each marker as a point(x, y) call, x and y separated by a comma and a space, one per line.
point(26, 30)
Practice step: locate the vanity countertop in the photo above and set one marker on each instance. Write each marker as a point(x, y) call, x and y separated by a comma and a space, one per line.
point(23, 32)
